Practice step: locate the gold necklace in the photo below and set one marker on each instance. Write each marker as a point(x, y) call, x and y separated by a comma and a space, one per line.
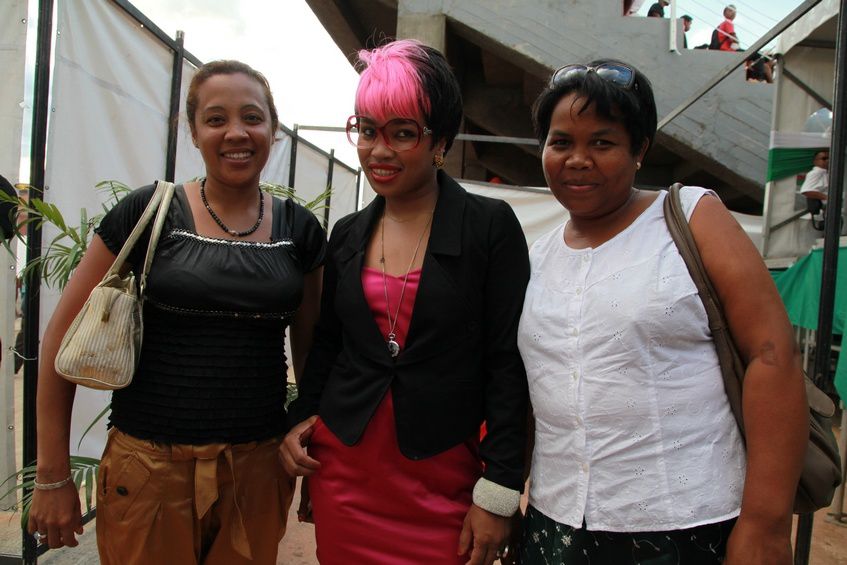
point(391, 342)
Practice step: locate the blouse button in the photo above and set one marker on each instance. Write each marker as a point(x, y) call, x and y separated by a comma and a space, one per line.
point(575, 375)
point(575, 332)
point(579, 291)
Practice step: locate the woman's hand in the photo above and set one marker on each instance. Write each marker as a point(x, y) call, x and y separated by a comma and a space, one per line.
point(304, 510)
point(57, 514)
point(752, 544)
point(292, 450)
point(484, 535)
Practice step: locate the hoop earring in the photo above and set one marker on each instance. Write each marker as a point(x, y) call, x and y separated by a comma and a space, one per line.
point(438, 160)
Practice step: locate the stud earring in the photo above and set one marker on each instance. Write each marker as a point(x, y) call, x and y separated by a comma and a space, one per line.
point(438, 160)
point(638, 165)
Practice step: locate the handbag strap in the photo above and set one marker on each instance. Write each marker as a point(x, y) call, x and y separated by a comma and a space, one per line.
point(732, 369)
point(161, 214)
point(157, 204)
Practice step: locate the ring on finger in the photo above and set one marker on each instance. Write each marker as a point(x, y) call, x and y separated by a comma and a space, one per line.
point(39, 537)
point(503, 552)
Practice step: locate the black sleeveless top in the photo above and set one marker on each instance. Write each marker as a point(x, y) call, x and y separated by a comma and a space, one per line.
point(212, 367)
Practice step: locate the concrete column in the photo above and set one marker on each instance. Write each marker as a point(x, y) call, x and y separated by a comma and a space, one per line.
point(422, 20)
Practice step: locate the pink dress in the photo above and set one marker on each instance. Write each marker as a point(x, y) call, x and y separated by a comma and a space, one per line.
point(370, 503)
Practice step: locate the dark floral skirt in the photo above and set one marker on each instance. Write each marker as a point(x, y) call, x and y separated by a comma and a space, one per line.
point(546, 542)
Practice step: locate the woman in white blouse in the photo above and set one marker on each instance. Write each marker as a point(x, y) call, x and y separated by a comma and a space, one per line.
point(637, 456)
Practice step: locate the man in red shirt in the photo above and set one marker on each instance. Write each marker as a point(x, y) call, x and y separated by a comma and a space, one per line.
point(728, 41)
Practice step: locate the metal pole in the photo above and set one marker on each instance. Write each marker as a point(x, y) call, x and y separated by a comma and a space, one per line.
point(173, 116)
point(292, 164)
point(672, 45)
point(32, 284)
point(329, 187)
point(832, 227)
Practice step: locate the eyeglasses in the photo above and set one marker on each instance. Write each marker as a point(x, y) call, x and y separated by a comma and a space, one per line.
point(616, 73)
point(399, 134)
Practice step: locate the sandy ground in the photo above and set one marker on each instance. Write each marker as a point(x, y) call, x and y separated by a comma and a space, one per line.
point(829, 539)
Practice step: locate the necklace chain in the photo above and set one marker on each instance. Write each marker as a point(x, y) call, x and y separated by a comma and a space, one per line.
point(393, 346)
point(220, 222)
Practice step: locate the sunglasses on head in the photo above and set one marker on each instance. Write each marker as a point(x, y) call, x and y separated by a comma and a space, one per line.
point(616, 73)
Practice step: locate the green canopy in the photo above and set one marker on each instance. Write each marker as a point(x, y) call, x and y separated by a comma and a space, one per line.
point(800, 288)
point(791, 152)
point(785, 162)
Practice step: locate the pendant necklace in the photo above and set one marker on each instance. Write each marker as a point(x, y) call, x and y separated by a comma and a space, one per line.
point(391, 342)
point(220, 222)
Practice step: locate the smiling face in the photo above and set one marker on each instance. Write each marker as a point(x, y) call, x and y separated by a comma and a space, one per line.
point(395, 173)
point(587, 159)
point(232, 129)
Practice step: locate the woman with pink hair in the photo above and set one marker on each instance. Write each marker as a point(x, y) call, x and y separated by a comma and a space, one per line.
point(416, 345)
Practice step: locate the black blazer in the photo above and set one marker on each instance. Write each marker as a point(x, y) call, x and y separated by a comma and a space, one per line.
point(460, 364)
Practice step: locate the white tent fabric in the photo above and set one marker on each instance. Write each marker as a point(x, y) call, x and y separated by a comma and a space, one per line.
point(109, 118)
point(343, 194)
point(799, 139)
point(12, 54)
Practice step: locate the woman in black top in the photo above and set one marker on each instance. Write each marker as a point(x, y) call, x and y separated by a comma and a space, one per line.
point(190, 473)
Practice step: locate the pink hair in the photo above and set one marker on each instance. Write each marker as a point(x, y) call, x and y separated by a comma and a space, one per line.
point(391, 83)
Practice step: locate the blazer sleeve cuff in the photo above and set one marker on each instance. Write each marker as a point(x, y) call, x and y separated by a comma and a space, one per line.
point(495, 498)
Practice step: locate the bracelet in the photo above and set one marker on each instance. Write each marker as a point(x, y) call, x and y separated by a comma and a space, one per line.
point(496, 498)
point(51, 486)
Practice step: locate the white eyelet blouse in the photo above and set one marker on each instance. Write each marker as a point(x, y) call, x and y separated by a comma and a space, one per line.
point(633, 428)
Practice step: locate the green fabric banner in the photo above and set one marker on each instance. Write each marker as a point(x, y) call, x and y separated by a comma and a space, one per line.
point(785, 162)
point(800, 288)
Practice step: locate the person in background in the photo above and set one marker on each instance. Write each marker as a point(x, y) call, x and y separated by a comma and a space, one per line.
point(816, 183)
point(657, 10)
point(8, 209)
point(190, 472)
point(815, 188)
point(638, 457)
point(726, 38)
point(759, 68)
point(416, 344)
point(686, 26)
point(8, 217)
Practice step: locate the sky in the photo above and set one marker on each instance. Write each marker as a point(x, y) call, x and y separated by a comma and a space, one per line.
point(312, 81)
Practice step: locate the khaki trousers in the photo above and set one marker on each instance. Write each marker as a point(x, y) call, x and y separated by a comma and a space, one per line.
point(184, 504)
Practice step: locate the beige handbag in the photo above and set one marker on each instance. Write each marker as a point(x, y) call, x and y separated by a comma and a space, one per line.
point(101, 347)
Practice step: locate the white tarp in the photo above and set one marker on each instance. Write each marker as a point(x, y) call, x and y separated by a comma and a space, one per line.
point(109, 120)
point(13, 24)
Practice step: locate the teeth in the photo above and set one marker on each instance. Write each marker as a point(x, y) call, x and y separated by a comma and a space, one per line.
point(382, 172)
point(242, 155)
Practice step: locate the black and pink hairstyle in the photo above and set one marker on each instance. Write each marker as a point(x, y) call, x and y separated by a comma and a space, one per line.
point(408, 79)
